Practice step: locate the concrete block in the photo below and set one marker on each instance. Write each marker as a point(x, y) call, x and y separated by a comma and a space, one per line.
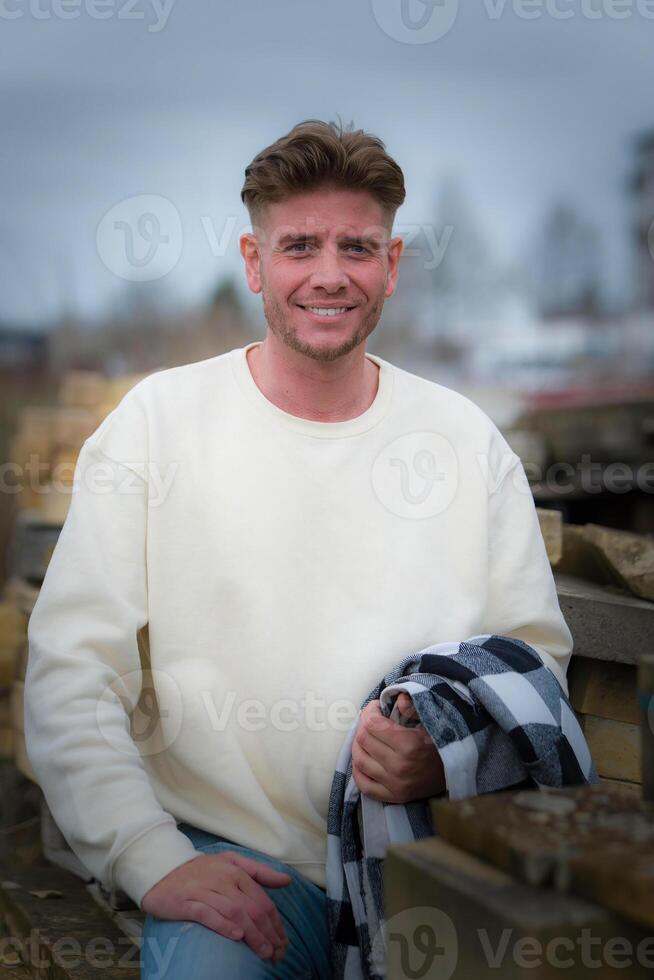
point(605, 624)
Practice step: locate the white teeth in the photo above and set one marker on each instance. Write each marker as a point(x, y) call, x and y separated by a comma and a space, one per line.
point(322, 312)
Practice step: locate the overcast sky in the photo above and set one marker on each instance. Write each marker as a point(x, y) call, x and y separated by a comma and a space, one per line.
point(526, 103)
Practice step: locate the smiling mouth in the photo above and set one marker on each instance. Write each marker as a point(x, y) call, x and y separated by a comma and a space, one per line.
point(326, 311)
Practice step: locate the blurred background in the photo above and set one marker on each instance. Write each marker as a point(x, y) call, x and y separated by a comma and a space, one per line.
point(525, 130)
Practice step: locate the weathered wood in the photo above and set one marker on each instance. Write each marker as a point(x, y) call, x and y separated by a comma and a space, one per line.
point(449, 914)
point(82, 389)
point(604, 689)
point(605, 624)
point(614, 746)
point(594, 841)
point(21, 758)
point(551, 527)
point(646, 702)
point(66, 936)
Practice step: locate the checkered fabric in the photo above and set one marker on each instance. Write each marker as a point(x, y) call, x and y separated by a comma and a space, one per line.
point(499, 719)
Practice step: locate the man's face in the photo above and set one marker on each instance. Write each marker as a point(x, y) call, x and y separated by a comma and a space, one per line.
point(322, 250)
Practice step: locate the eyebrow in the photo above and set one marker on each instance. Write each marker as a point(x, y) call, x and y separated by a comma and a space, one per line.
point(291, 239)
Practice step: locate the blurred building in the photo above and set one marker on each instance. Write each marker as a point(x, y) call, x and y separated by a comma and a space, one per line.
point(643, 195)
point(23, 351)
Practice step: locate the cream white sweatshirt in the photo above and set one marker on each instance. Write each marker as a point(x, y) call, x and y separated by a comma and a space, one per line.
point(232, 581)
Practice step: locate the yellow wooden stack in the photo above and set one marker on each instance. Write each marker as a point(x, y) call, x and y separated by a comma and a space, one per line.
point(604, 695)
point(13, 633)
point(44, 450)
point(49, 438)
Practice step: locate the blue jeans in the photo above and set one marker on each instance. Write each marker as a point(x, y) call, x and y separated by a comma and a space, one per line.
point(180, 950)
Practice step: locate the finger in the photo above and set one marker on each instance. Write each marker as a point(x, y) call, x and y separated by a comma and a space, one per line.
point(207, 915)
point(263, 873)
point(258, 874)
point(406, 706)
point(253, 919)
point(372, 767)
point(372, 788)
point(382, 744)
point(270, 920)
point(257, 934)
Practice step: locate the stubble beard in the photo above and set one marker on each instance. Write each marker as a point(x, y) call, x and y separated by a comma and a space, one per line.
point(279, 322)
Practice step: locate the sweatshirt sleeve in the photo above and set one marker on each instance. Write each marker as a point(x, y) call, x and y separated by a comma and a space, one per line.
point(522, 600)
point(84, 675)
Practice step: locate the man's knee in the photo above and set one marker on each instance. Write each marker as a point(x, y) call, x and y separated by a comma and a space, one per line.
point(176, 950)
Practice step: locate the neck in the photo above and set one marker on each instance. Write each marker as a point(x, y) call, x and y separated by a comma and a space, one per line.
point(321, 391)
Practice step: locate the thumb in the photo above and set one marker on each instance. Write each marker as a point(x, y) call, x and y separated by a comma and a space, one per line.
point(406, 707)
point(260, 872)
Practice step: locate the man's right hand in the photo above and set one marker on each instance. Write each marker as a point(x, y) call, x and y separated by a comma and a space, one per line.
point(224, 892)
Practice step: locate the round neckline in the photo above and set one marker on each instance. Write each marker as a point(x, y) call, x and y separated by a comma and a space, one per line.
point(323, 430)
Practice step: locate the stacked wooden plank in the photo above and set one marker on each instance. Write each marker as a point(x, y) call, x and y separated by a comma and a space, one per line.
point(605, 697)
point(532, 882)
point(605, 584)
point(13, 627)
point(44, 452)
point(48, 439)
point(20, 596)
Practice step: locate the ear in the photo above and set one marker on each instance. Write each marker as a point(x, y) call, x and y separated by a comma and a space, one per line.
point(251, 252)
point(395, 249)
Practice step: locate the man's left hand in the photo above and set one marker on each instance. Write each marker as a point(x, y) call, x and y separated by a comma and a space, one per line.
point(393, 763)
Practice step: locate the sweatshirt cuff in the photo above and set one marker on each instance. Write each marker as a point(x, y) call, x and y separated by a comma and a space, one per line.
point(150, 858)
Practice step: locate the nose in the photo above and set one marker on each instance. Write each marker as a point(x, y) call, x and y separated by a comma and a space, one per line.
point(328, 272)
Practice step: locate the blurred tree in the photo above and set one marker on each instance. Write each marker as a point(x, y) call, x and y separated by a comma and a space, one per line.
point(564, 272)
point(464, 285)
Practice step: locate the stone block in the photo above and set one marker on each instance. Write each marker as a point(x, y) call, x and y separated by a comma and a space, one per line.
point(626, 556)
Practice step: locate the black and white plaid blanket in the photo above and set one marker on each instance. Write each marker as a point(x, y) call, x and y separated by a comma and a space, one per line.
point(499, 719)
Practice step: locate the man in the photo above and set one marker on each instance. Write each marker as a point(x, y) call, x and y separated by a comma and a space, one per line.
point(277, 527)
